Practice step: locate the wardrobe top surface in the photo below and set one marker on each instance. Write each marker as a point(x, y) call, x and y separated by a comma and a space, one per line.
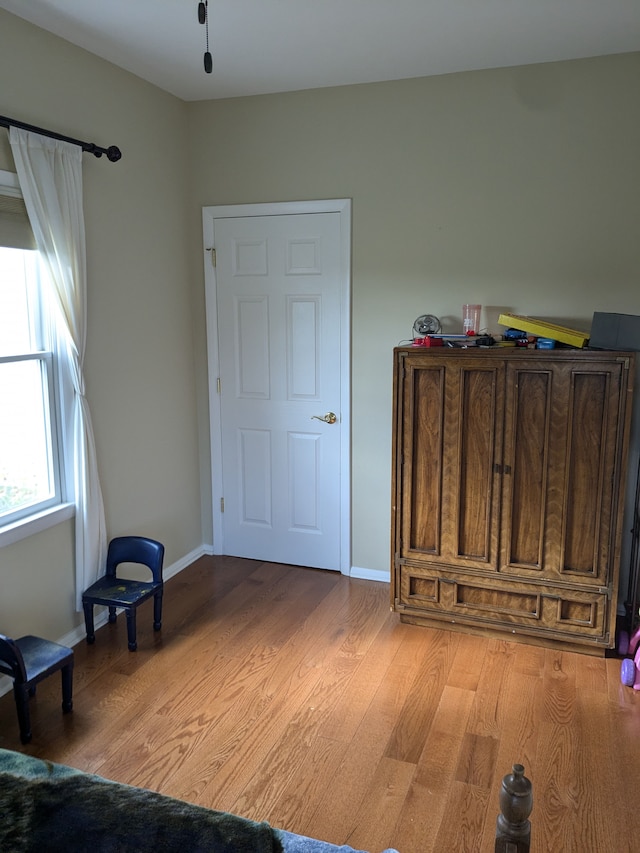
point(560, 354)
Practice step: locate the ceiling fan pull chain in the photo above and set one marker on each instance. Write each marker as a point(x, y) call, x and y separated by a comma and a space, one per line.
point(203, 18)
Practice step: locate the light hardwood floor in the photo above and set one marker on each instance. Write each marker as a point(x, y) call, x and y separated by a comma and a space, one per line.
point(295, 696)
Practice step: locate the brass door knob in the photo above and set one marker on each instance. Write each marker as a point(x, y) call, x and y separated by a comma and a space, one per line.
point(329, 418)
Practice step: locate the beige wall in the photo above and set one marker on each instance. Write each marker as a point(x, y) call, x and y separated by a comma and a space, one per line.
point(515, 188)
point(140, 357)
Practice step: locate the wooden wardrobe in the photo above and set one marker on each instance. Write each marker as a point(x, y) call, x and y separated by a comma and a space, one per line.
point(508, 483)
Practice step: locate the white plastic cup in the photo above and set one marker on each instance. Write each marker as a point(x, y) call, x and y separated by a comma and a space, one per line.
point(471, 319)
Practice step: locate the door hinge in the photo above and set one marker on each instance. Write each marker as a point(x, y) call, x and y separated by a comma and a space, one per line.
point(221, 504)
point(218, 385)
point(213, 255)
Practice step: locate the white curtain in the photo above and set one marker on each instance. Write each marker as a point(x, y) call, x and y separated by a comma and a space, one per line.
point(50, 176)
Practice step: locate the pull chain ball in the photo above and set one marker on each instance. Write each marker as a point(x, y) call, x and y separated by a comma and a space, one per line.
point(203, 18)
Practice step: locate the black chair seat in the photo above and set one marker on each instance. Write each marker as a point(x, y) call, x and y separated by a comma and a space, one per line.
point(120, 592)
point(42, 657)
point(28, 660)
point(116, 592)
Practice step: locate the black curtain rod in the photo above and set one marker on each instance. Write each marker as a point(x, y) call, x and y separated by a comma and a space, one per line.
point(113, 152)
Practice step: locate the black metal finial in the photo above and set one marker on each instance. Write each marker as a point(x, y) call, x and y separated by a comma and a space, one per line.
point(113, 153)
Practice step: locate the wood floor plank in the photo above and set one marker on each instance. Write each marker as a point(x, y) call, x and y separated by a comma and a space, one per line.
point(467, 664)
point(413, 724)
point(376, 818)
point(620, 739)
point(285, 599)
point(518, 739)
point(559, 687)
point(488, 713)
point(555, 788)
point(595, 776)
point(522, 696)
point(298, 800)
point(528, 660)
point(288, 753)
point(333, 818)
point(476, 765)
point(591, 674)
point(151, 755)
point(464, 818)
point(343, 720)
point(296, 696)
point(237, 746)
point(424, 807)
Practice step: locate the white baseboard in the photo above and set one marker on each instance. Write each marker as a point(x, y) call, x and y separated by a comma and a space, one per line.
point(370, 574)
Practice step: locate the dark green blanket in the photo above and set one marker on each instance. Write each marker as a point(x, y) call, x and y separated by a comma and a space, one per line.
point(48, 807)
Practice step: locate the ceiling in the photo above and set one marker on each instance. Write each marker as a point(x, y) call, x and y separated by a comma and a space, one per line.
point(261, 46)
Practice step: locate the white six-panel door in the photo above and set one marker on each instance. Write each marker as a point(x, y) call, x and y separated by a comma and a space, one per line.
point(277, 310)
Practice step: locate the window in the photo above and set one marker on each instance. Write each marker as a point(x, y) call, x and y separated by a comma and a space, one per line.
point(30, 471)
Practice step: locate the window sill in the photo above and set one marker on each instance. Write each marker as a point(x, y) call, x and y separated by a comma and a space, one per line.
point(11, 533)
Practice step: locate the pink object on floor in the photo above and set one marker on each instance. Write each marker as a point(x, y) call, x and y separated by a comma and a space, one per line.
point(634, 641)
point(636, 681)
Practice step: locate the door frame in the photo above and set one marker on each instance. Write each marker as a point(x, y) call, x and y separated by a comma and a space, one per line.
point(342, 206)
